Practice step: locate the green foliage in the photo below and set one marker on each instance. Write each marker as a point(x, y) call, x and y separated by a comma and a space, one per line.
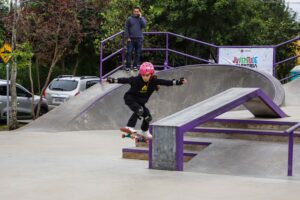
point(23, 54)
point(3, 12)
point(222, 22)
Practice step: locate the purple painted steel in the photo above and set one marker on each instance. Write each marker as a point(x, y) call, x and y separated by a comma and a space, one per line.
point(290, 131)
point(218, 54)
point(112, 37)
point(123, 46)
point(189, 56)
point(113, 71)
point(150, 150)
point(179, 149)
point(154, 33)
point(153, 49)
point(101, 62)
point(291, 58)
point(167, 52)
point(150, 155)
point(289, 41)
point(293, 128)
point(193, 40)
point(235, 131)
point(113, 54)
point(290, 154)
point(196, 143)
point(274, 61)
point(271, 104)
point(253, 121)
point(281, 80)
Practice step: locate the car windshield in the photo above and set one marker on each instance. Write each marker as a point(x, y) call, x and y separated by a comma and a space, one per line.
point(63, 85)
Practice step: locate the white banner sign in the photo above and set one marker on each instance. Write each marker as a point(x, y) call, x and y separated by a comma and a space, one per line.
point(257, 58)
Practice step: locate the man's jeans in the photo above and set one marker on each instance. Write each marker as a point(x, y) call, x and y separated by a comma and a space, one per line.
point(134, 45)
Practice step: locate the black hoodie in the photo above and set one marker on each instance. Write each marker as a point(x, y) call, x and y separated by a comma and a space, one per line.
point(141, 91)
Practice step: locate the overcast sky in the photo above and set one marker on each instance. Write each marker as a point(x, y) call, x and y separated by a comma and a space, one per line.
point(295, 5)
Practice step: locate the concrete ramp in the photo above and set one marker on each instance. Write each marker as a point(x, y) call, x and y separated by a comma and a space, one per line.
point(292, 91)
point(244, 158)
point(102, 106)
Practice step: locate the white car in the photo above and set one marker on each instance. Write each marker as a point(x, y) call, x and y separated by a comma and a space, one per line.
point(64, 87)
point(24, 97)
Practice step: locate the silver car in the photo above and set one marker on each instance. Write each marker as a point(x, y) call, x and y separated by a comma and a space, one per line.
point(65, 87)
point(24, 98)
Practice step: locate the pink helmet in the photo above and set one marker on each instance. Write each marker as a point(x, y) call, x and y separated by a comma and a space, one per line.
point(146, 67)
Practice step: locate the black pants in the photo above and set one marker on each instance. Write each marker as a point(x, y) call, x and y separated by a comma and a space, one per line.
point(136, 107)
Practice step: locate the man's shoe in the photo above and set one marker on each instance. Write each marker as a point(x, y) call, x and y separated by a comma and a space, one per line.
point(126, 69)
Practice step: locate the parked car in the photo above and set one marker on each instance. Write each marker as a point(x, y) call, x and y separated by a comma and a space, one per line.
point(65, 87)
point(24, 97)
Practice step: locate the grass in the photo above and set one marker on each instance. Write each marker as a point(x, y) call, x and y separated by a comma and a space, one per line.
point(3, 126)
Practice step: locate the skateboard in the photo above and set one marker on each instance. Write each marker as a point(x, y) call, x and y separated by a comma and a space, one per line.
point(133, 135)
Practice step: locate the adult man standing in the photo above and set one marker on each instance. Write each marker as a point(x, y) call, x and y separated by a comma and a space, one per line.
point(134, 36)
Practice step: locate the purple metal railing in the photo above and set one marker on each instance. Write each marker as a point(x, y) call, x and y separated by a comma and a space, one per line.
point(166, 49)
point(290, 133)
point(285, 60)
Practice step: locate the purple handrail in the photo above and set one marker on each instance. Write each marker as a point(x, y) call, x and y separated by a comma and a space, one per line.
point(290, 133)
point(283, 61)
point(287, 42)
point(167, 50)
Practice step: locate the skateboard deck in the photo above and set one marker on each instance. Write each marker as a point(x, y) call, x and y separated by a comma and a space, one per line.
point(133, 135)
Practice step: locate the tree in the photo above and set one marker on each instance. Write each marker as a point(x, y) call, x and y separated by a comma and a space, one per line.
point(23, 54)
point(90, 23)
point(3, 13)
point(13, 75)
point(225, 22)
point(52, 28)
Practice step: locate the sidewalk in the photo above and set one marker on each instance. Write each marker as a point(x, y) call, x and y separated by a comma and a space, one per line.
point(88, 166)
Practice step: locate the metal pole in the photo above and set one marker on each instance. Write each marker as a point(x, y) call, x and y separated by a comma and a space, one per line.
point(290, 153)
point(7, 94)
point(166, 64)
point(274, 61)
point(123, 51)
point(218, 54)
point(101, 63)
point(179, 150)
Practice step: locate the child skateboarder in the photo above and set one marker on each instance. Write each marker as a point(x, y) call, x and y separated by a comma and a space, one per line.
point(142, 87)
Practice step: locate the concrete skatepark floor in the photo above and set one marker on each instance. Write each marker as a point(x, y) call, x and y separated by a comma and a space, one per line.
point(88, 165)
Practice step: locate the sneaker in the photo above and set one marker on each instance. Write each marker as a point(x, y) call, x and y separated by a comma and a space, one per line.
point(135, 68)
point(126, 69)
point(131, 129)
point(146, 134)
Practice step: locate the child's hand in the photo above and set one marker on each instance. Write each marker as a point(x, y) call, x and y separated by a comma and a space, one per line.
point(181, 81)
point(110, 80)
